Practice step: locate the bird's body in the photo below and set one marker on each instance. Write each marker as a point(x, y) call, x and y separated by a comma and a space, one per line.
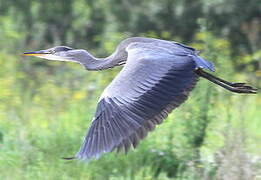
point(148, 87)
point(156, 78)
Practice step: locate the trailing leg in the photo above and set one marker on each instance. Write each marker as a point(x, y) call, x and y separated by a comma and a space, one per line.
point(233, 87)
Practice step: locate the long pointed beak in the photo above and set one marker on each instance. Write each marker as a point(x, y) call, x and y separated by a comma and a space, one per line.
point(36, 53)
point(46, 54)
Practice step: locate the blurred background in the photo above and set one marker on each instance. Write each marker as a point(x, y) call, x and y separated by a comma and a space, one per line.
point(46, 107)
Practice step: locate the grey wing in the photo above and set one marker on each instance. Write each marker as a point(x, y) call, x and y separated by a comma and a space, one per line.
point(151, 85)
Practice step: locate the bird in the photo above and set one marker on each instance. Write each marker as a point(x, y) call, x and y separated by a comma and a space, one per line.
point(157, 77)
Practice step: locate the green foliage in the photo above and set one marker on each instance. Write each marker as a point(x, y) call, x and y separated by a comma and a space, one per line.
point(45, 118)
point(81, 22)
point(46, 107)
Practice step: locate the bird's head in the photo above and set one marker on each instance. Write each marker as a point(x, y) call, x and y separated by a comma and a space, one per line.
point(60, 53)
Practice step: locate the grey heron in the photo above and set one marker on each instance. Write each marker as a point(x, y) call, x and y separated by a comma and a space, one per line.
point(156, 78)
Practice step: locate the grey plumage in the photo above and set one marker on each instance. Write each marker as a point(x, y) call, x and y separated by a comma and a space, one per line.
point(143, 93)
point(156, 78)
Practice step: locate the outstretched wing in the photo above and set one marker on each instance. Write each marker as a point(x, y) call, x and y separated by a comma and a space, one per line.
point(153, 82)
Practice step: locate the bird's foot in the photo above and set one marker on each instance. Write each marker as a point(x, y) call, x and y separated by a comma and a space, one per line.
point(237, 84)
point(243, 88)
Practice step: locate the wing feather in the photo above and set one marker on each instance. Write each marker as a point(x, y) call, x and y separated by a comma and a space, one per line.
point(147, 89)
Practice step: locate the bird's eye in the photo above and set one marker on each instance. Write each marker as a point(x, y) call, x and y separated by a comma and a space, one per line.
point(51, 51)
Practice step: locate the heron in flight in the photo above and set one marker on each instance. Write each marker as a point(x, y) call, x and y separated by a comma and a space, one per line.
point(156, 78)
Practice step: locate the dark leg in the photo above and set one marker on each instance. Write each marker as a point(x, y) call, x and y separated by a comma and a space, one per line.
point(234, 87)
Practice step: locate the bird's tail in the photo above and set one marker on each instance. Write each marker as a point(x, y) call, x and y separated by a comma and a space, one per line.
point(202, 63)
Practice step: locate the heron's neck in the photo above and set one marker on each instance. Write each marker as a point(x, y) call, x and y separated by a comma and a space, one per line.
point(92, 63)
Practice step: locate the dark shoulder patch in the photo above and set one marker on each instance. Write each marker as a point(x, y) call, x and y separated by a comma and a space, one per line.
point(187, 47)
